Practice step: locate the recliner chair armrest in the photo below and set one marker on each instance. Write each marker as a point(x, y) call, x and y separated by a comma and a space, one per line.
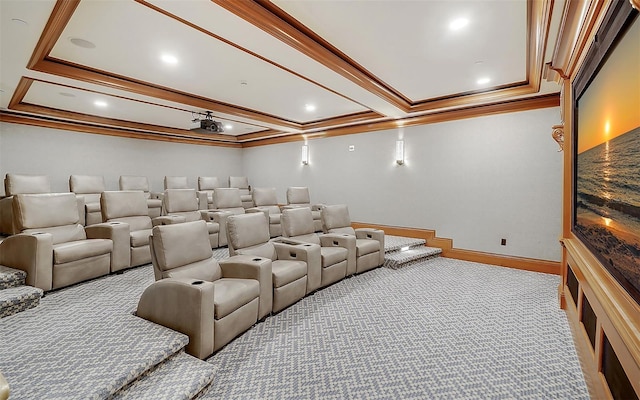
point(252, 267)
point(81, 213)
point(184, 305)
point(168, 220)
point(220, 217)
point(203, 202)
point(4, 388)
point(375, 234)
point(31, 253)
point(317, 207)
point(119, 233)
point(287, 249)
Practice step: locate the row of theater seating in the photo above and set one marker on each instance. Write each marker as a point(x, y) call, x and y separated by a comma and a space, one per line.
point(213, 302)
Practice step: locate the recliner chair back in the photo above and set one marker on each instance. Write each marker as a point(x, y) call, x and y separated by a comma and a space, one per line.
point(19, 184)
point(337, 219)
point(126, 206)
point(176, 182)
point(228, 199)
point(169, 258)
point(249, 234)
point(89, 188)
point(297, 223)
point(54, 213)
point(298, 196)
point(182, 202)
point(129, 182)
point(266, 198)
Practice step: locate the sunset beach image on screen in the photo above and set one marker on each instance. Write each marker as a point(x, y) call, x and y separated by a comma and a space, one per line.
point(607, 203)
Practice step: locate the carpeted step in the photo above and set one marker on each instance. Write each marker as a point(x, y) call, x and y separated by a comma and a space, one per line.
point(180, 376)
point(19, 298)
point(398, 259)
point(397, 243)
point(10, 277)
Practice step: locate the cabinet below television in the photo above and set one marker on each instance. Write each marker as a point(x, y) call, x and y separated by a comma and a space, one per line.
point(605, 322)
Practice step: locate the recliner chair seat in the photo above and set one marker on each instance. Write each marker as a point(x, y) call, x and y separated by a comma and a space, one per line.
point(81, 249)
point(286, 271)
point(140, 238)
point(366, 246)
point(230, 294)
point(333, 255)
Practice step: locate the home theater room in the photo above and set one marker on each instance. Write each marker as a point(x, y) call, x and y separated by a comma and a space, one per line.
point(319, 199)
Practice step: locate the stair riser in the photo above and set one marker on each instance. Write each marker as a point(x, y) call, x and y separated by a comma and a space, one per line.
point(8, 308)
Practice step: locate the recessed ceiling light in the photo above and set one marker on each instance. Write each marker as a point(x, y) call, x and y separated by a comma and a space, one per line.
point(169, 59)
point(483, 81)
point(100, 103)
point(228, 126)
point(82, 43)
point(67, 94)
point(458, 24)
point(310, 107)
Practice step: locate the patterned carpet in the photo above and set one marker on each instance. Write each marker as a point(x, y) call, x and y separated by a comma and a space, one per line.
point(436, 329)
point(441, 329)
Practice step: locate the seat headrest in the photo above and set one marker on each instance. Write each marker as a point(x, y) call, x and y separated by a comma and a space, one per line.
point(180, 200)
point(297, 221)
point(26, 184)
point(82, 184)
point(176, 182)
point(33, 211)
point(128, 182)
point(208, 183)
point(246, 230)
point(264, 197)
point(298, 195)
point(335, 216)
point(240, 182)
point(120, 204)
point(182, 244)
point(226, 198)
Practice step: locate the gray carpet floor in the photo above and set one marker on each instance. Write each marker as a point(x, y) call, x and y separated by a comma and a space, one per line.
point(440, 328)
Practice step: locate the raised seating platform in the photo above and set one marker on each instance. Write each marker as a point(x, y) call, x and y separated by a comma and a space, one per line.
point(15, 296)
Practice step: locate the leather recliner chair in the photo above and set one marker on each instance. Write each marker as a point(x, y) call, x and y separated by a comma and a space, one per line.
point(249, 235)
point(130, 207)
point(19, 184)
point(299, 197)
point(337, 251)
point(127, 182)
point(242, 184)
point(212, 302)
point(183, 203)
point(89, 188)
point(54, 249)
point(206, 185)
point(369, 242)
point(265, 200)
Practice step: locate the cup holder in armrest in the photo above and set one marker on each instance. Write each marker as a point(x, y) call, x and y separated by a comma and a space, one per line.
point(256, 259)
point(197, 282)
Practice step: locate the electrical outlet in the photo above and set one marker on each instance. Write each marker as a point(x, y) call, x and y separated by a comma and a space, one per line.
point(503, 242)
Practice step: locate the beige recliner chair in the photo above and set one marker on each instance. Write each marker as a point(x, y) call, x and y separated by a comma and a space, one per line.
point(19, 184)
point(206, 185)
point(183, 203)
point(212, 302)
point(265, 200)
point(369, 242)
point(338, 251)
point(89, 188)
point(242, 183)
point(181, 182)
point(130, 207)
point(299, 197)
point(226, 202)
point(249, 235)
point(154, 204)
point(54, 249)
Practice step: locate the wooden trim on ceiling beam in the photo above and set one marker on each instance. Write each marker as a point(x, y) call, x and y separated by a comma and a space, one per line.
point(531, 103)
point(58, 20)
point(523, 263)
point(104, 130)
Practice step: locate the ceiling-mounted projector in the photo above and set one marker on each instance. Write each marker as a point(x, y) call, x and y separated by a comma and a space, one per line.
point(207, 124)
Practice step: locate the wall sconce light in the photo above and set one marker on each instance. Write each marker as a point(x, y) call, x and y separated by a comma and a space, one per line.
point(305, 154)
point(400, 152)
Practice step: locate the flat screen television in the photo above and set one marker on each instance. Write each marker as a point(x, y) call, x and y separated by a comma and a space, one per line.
point(606, 134)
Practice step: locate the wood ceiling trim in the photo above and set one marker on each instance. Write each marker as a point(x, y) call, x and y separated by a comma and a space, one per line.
point(103, 130)
point(263, 18)
point(531, 103)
